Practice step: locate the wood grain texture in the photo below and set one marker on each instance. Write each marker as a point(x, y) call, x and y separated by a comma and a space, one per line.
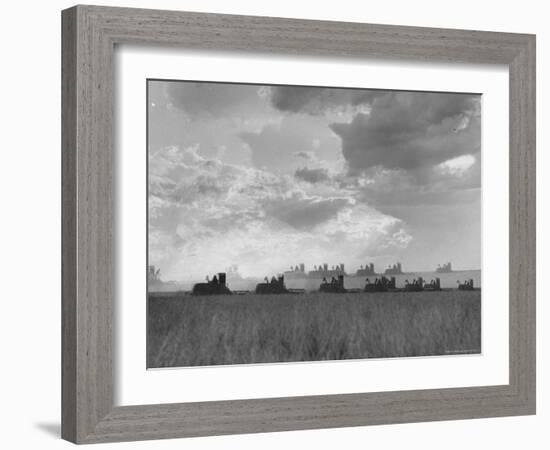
point(68, 224)
point(89, 36)
point(523, 224)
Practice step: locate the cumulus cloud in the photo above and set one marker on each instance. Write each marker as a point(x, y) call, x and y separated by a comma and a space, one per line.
point(458, 166)
point(199, 207)
point(411, 130)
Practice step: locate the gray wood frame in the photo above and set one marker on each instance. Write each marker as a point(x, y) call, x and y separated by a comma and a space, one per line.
point(89, 34)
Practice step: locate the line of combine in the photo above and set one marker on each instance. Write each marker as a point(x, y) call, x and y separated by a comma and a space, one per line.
point(218, 286)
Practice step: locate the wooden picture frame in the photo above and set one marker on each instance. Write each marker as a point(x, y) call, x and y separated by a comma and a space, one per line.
point(89, 34)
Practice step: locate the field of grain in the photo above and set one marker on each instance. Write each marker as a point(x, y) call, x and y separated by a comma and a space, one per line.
point(241, 329)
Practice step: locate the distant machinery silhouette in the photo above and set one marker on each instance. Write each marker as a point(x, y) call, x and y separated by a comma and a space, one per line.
point(445, 268)
point(396, 269)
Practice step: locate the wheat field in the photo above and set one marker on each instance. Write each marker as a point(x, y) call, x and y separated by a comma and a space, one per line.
point(183, 330)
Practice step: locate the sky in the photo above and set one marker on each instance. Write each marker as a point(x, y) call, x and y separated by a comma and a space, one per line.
point(265, 177)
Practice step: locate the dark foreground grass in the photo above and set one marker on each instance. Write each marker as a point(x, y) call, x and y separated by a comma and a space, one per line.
point(194, 331)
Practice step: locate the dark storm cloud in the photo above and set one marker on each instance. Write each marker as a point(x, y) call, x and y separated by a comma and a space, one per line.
point(315, 100)
point(214, 99)
point(312, 175)
point(305, 213)
point(410, 130)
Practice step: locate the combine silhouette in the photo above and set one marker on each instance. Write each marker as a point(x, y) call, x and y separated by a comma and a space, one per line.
point(379, 284)
point(468, 285)
point(335, 286)
point(216, 286)
point(416, 285)
point(445, 268)
point(434, 285)
point(275, 286)
point(396, 269)
point(366, 271)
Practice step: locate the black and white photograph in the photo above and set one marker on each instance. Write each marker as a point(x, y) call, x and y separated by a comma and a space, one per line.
point(275, 225)
point(302, 223)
